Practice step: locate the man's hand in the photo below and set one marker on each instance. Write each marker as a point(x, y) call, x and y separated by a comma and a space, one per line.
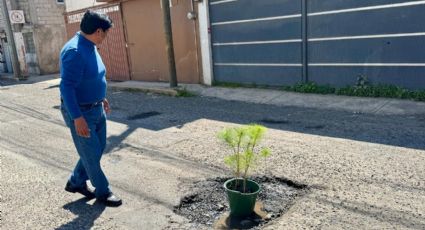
point(81, 127)
point(106, 106)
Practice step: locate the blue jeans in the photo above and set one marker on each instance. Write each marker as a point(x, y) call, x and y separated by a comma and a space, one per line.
point(90, 150)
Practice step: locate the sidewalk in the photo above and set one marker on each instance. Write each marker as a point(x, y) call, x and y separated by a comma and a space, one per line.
point(387, 106)
point(362, 105)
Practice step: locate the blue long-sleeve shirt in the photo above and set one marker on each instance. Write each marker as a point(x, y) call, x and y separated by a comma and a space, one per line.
point(82, 74)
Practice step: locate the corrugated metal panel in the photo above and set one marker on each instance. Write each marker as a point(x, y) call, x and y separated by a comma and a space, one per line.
point(146, 41)
point(377, 39)
point(256, 41)
point(260, 41)
point(112, 50)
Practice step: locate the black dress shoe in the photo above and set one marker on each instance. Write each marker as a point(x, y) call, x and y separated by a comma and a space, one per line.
point(86, 191)
point(110, 200)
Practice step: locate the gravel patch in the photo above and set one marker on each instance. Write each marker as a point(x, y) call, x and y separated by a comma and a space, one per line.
point(208, 203)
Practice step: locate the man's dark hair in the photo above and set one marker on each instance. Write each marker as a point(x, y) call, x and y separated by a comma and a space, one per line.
point(94, 20)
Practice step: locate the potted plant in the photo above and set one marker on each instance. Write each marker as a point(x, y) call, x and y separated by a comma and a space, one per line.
point(245, 154)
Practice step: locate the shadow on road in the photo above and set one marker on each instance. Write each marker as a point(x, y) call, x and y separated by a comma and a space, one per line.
point(9, 80)
point(152, 112)
point(86, 214)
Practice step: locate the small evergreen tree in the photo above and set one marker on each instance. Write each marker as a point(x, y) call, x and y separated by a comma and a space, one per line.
point(245, 154)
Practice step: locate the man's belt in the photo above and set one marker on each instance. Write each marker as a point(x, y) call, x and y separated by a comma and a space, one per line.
point(89, 105)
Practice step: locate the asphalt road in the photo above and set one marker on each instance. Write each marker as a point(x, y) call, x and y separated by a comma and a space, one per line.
point(367, 171)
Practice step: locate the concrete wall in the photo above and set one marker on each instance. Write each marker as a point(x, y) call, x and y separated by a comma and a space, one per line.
point(205, 42)
point(3, 66)
point(44, 33)
point(72, 5)
point(49, 33)
point(48, 52)
point(7, 67)
point(1, 21)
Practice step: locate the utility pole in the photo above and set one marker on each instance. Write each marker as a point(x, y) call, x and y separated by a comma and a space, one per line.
point(11, 41)
point(169, 42)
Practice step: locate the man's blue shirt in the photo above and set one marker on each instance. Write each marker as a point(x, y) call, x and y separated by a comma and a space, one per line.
point(82, 74)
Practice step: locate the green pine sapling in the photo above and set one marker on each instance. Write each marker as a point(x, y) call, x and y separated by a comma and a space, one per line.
point(245, 152)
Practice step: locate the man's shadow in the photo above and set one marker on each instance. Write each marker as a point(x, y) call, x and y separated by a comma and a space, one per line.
point(86, 214)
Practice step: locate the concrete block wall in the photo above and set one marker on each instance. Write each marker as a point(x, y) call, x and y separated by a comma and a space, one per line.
point(73, 5)
point(45, 22)
point(48, 12)
point(24, 5)
point(49, 33)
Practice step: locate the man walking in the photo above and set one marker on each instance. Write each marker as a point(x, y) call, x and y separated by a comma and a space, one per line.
point(83, 91)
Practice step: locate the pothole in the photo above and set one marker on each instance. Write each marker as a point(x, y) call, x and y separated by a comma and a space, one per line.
point(143, 115)
point(314, 126)
point(207, 205)
point(273, 121)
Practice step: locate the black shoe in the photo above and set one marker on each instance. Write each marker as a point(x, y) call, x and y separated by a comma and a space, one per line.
point(111, 200)
point(86, 191)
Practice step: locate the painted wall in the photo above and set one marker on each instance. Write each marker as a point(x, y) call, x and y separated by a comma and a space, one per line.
point(260, 41)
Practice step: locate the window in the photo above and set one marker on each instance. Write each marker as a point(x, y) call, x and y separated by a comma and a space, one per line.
point(29, 42)
point(60, 1)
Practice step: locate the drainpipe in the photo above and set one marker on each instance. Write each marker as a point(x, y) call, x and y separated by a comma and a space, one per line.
point(304, 35)
point(11, 41)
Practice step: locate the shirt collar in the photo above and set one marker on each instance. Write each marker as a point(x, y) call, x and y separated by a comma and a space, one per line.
point(83, 40)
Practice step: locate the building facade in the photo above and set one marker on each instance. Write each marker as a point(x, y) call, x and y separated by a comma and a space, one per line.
point(284, 42)
point(38, 40)
point(74, 5)
point(135, 48)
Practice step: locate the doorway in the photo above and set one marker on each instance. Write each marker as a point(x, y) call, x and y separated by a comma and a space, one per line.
point(146, 41)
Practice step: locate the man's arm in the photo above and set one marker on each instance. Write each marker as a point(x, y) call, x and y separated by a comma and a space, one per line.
point(106, 106)
point(71, 75)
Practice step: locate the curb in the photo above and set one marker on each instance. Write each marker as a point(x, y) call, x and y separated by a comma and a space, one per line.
point(163, 91)
point(10, 78)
